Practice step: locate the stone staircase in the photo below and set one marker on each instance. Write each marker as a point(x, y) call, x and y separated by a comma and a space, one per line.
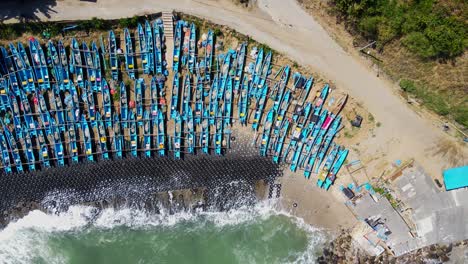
point(168, 22)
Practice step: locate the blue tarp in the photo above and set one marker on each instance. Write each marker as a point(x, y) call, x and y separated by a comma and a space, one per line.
point(456, 178)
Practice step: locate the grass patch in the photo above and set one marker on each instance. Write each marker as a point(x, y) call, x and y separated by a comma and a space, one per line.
point(371, 118)
point(378, 124)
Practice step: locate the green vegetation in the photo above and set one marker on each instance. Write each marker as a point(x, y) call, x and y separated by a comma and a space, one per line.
point(387, 195)
point(129, 22)
point(429, 28)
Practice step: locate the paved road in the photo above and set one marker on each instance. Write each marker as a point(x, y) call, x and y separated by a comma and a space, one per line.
point(285, 27)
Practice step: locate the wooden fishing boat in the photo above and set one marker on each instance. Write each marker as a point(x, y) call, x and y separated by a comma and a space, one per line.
point(149, 47)
point(28, 114)
point(244, 101)
point(114, 60)
point(102, 137)
point(72, 144)
point(279, 92)
point(44, 154)
point(192, 48)
point(129, 55)
point(27, 66)
point(16, 116)
point(199, 100)
point(39, 64)
point(147, 132)
point(123, 105)
point(256, 73)
point(9, 70)
point(316, 144)
point(259, 108)
point(143, 45)
point(96, 66)
point(283, 109)
point(4, 94)
point(103, 52)
point(25, 74)
point(107, 103)
point(331, 177)
point(65, 84)
point(185, 44)
point(175, 95)
point(89, 65)
point(224, 75)
point(139, 94)
point(177, 136)
point(303, 96)
point(315, 124)
point(205, 136)
point(265, 72)
point(266, 132)
point(44, 112)
point(57, 143)
point(240, 61)
point(280, 142)
point(327, 166)
point(27, 148)
point(161, 135)
point(59, 112)
point(218, 140)
point(209, 55)
point(187, 97)
point(326, 144)
point(228, 103)
point(56, 64)
point(154, 91)
point(133, 135)
point(5, 154)
point(87, 141)
point(91, 104)
point(298, 150)
point(177, 47)
point(118, 137)
point(213, 107)
point(14, 150)
point(297, 132)
point(76, 64)
point(158, 48)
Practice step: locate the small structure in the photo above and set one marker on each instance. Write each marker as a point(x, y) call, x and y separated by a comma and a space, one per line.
point(456, 178)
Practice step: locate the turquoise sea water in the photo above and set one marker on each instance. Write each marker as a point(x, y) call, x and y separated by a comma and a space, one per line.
point(258, 234)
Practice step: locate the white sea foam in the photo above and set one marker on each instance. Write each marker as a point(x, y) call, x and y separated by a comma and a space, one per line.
point(25, 240)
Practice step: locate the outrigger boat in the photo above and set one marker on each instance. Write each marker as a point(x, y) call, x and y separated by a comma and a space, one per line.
point(39, 64)
point(209, 55)
point(106, 102)
point(91, 105)
point(76, 64)
point(59, 112)
point(56, 64)
point(185, 44)
point(177, 47)
point(118, 137)
point(199, 100)
point(44, 154)
point(14, 150)
point(192, 48)
point(244, 101)
point(190, 132)
point(143, 44)
point(266, 70)
point(266, 132)
point(228, 104)
point(45, 116)
point(260, 106)
point(97, 65)
point(65, 66)
point(147, 133)
point(158, 48)
point(256, 73)
point(187, 97)
point(23, 69)
point(4, 94)
point(29, 71)
point(123, 105)
point(89, 64)
point(129, 55)
point(149, 47)
point(326, 144)
point(297, 133)
point(298, 151)
point(213, 107)
point(16, 116)
point(102, 137)
point(175, 95)
point(139, 93)
point(73, 146)
point(316, 143)
point(224, 75)
point(103, 52)
point(154, 91)
point(5, 154)
point(161, 135)
point(28, 149)
point(205, 136)
point(304, 95)
point(327, 166)
point(280, 142)
point(57, 142)
point(279, 90)
point(281, 115)
point(335, 168)
point(218, 140)
point(315, 125)
point(133, 135)
point(88, 148)
point(114, 60)
point(177, 136)
point(9, 70)
point(240, 61)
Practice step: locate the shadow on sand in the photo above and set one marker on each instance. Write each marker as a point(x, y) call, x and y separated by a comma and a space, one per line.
point(26, 10)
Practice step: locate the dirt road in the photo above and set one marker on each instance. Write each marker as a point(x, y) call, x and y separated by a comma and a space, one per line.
point(285, 27)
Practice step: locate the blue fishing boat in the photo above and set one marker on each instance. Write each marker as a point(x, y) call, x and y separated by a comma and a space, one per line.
point(59, 112)
point(114, 60)
point(192, 48)
point(177, 47)
point(129, 55)
point(16, 116)
point(28, 149)
point(102, 137)
point(27, 65)
point(106, 102)
point(57, 143)
point(44, 154)
point(316, 143)
point(14, 150)
point(147, 133)
point(96, 65)
point(280, 142)
point(326, 144)
point(283, 109)
point(72, 145)
point(154, 91)
point(149, 47)
point(224, 75)
point(158, 121)
point(158, 48)
point(298, 150)
point(4, 94)
point(133, 135)
point(143, 45)
point(25, 73)
point(139, 94)
point(259, 108)
point(213, 107)
point(56, 64)
point(44, 113)
point(228, 103)
point(175, 95)
point(279, 90)
point(240, 61)
point(65, 84)
point(199, 100)
point(88, 146)
point(6, 162)
point(177, 136)
point(185, 44)
point(263, 76)
point(299, 107)
point(103, 52)
point(218, 140)
point(190, 138)
point(266, 132)
point(205, 136)
point(297, 133)
point(123, 105)
point(73, 105)
point(187, 97)
point(9, 70)
point(89, 65)
point(118, 137)
point(244, 101)
point(91, 104)
point(76, 64)
point(209, 55)
point(315, 124)
point(327, 166)
point(39, 64)
point(336, 168)
point(256, 73)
